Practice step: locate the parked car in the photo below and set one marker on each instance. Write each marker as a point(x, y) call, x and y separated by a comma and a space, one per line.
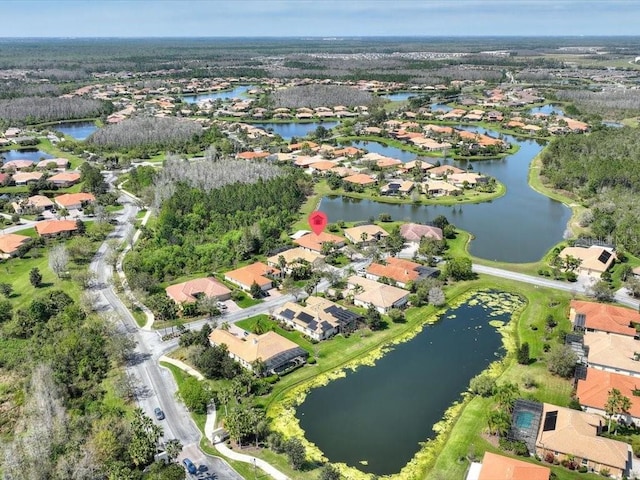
point(158, 413)
point(191, 468)
point(221, 306)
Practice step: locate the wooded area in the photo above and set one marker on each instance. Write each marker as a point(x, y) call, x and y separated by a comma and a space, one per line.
point(600, 169)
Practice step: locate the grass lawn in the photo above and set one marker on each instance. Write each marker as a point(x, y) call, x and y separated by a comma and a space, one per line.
point(180, 377)
point(46, 146)
point(247, 300)
point(267, 324)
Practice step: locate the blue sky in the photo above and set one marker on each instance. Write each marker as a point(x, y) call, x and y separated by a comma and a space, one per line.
point(298, 18)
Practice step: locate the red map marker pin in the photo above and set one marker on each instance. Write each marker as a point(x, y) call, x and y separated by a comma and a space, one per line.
point(317, 221)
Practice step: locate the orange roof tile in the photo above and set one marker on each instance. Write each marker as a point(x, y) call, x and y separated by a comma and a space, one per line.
point(11, 242)
point(605, 318)
point(53, 227)
point(187, 291)
point(314, 242)
point(71, 199)
point(360, 179)
point(594, 391)
point(498, 467)
point(256, 272)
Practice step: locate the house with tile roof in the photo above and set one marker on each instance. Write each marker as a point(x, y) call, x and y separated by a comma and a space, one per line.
point(413, 232)
point(499, 467)
point(294, 257)
point(274, 350)
point(35, 203)
point(57, 163)
point(65, 179)
point(400, 271)
point(369, 292)
point(318, 319)
point(360, 179)
point(10, 244)
point(593, 392)
point(313, 242)
point(567, 433)
point(365, 234)
point(613, 353)
point(594, 260)
point(55, 228)
point(190, 291)
point(257, 272)
point(600, 317)
point(74, 201)
point(25, 178)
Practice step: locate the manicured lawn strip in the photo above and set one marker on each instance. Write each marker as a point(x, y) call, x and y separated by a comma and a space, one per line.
point(247, 301)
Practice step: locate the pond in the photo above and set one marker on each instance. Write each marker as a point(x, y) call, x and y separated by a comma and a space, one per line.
point(290, 130)
point(375, 417)
point(440, 107)
point(517, 227)
point(400, 96)
point(238, 92)
point(548, 109)
point(78, 130)
point(32, 154)
point(387, 151)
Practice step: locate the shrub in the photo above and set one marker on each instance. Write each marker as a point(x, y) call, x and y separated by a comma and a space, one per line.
point(482, 385)
point(549, 457)
point(312, 361)
point(583, 469)
point(605, 472)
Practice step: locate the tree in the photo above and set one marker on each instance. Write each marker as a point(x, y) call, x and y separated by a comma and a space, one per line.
point(163, 471)
point(459, 268)
point(440, 221)
point(173, 448)
point(35, 277)
point(601, 290)
point(162, 306)
point(561, 360)
point(373, 318)
point(523, 354)
point(255, 290)
point(483, 385)
point(295, 451)
point(633, 286)
point(506, 395)
point(394, 242)
point(6, 310)
point(195, 395)
point(436, 297)
point(144, 439)
point(6, 289)
point(616, 404)
point(499, 422)
point(224, 395)
point(396, 315)
point(329, 472)
point(59, 259)
point(80, 227)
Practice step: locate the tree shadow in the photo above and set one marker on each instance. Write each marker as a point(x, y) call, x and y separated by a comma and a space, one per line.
point(136, 358)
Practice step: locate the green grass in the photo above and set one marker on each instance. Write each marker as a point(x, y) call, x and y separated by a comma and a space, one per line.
point(295, 336)
point(247, 301)
point(180, 376)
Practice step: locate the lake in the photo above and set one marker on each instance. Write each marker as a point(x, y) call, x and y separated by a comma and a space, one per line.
point(32, 154)
point(77, 130)
point(400, 96)
point(238, 92)
point(388, 151)
point(549, 109)
point(440, 107)
point(380, 414)
point(518, 227)
point(289, 130)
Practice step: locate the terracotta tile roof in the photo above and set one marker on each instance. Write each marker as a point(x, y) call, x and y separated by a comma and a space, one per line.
point(70, 199)
point(347, 152)
point(594, 391)
point(301, 145)
point(323, 165)
point(256, 272)
point(314, 242)
point(22, 177)
point(252, 347)
point(360, 179)
point(251, 155)
point(11, 242)
point(65, 177)
point(397, 274)
point(187, 291)
point(53, 227)
point(413, 232)
point(575, 434)
point(605, 318)
point(499, 467)
point(58, 162)
point(17, 164)
point(423, 165)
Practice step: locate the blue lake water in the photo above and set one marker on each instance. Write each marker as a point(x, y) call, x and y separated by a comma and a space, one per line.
point(440, 107)
point(237, 92)
point(548, 109)
point(385, 150)
point(518, 227)
point(77, 130)
point(32, 154)
point(379, 415)
point(400, 96)
point(289, 130)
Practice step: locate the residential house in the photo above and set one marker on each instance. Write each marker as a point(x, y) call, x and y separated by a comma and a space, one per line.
point(4, 178)
point(369, 292)
point(33, 204)
point(74, 201)
point(399, 271)
point(594, 260)
point(365, 234)
point(313, 242)
point(466, 179)
point(65, 179)
point(10, 244)
point(276, 351)
point(57, 163)
point(55, 228)
point(397, 188)
point(440, 188)
point(413, 232)
point(593, 393)
point(360, 179)
point(424, 166)
point(189, 292)
point(24, 178)
point(499, 467)
point(293, 258)
point(257, 272)
point(319, 319)
point(567, 433)
point(613, 353)
point(442, 171)
point(599, 317)
point(17, 165)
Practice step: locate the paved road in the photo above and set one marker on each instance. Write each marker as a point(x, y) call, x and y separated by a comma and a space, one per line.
point(154, 385)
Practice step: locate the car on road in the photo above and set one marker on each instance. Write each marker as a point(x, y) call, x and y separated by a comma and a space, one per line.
point(158, 413)
point(191, 468)
point(221, 306)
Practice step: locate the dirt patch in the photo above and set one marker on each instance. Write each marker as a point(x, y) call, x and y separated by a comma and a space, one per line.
point(492, 439)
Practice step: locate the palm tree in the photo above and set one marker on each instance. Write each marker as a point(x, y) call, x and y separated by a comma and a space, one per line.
point(616, 404)
point(506, 395)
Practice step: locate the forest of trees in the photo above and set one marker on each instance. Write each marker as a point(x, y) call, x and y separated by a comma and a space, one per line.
point(200, 230)
point(321, 96)
point(30, 110)
point(600, 169)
